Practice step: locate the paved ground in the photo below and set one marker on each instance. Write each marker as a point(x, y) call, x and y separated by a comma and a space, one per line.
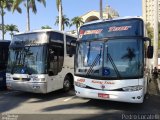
point(153, 87)
point(158, 83)
point(66, 106)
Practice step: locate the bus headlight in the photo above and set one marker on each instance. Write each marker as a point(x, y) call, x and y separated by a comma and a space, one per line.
point(80, 84)
point(133, 88)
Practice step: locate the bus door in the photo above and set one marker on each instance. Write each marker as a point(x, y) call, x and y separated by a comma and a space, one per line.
point(56, 57)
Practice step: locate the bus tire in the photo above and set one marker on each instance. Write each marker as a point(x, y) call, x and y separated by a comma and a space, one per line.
point(67, 84)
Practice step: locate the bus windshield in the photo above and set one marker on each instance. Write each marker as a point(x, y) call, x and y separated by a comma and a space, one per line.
point(113, 58)
point(27, 60)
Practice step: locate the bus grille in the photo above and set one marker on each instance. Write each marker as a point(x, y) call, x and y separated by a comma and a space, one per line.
point(22, 79)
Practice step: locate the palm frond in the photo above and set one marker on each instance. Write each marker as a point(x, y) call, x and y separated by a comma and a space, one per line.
point(16, 3)
point(32, 5)
point(57, 4)
point(42, 1)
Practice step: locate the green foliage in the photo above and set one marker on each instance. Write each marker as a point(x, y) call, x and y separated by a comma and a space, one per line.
point(58, 2)
point(65, 21)
point(150, 33)
point(6, 5)
point(77, 21)
point(30, 3)
point(149, 30)
point(10, 28)
point(46, 27)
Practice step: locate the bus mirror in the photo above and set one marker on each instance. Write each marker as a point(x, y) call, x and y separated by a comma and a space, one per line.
point(50, 73)
point(150, 52)
point(51, 51)
point(70, 51)
point(71, 48)
point(70, 55)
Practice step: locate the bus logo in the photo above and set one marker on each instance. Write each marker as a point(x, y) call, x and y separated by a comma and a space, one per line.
point(22, 71)
point(89, 32)
point(81, 80)
point(103, 86)
point(121, 28)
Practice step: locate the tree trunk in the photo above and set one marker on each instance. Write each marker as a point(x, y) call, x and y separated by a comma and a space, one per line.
point(101, 10)
point(11, 35)
point(60, 15)
point(2, 17)
point(77, 29)
point(77, 32)
point(28, 17)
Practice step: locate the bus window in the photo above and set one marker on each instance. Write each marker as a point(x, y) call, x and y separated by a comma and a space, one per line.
point(70, 46)
point(56, 59)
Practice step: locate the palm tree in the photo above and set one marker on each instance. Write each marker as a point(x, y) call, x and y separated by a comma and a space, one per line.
point(101, 11)
point(78, 21)
point(6, 4)
point(46, 27)
point(29, 4)
point(149, 30)
point(65, 22)
point(59, 8)
point(4, 29)
point(11, 28)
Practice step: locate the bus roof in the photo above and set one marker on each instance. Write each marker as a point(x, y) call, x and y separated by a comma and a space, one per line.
point(45, 31)
point(114, 19)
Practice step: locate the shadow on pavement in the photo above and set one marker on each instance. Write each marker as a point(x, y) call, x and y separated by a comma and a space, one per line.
point(150, 105)
point(12, 99)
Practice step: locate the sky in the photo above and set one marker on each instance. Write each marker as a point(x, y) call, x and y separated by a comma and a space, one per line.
point(71, 8)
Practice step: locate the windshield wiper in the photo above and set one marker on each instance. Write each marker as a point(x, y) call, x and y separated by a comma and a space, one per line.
point(114, 66)
point(96, 60)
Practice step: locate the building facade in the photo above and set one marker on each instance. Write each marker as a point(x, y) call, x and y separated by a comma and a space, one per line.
point(93, 15)
point(148, 11)
point(108, 12)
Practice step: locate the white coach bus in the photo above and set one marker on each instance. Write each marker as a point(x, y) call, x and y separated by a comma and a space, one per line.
point(41, 61)
point(110, 61)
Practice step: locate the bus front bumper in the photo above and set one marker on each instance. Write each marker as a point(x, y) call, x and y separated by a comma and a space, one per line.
point(34, 87)
point(121, 96)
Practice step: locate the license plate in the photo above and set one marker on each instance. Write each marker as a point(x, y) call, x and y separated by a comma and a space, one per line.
point(102, 95)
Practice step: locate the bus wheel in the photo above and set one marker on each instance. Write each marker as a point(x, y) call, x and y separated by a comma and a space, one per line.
point(67, 84)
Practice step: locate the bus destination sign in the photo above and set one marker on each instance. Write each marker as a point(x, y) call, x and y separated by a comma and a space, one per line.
point(107, 29)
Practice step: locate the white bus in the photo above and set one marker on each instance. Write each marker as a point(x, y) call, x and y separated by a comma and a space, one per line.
point(41, 61)
point(110, 61)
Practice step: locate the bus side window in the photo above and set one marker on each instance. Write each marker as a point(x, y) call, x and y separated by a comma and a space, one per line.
point(70, 46)
point(52, 62)
point(55, 60)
